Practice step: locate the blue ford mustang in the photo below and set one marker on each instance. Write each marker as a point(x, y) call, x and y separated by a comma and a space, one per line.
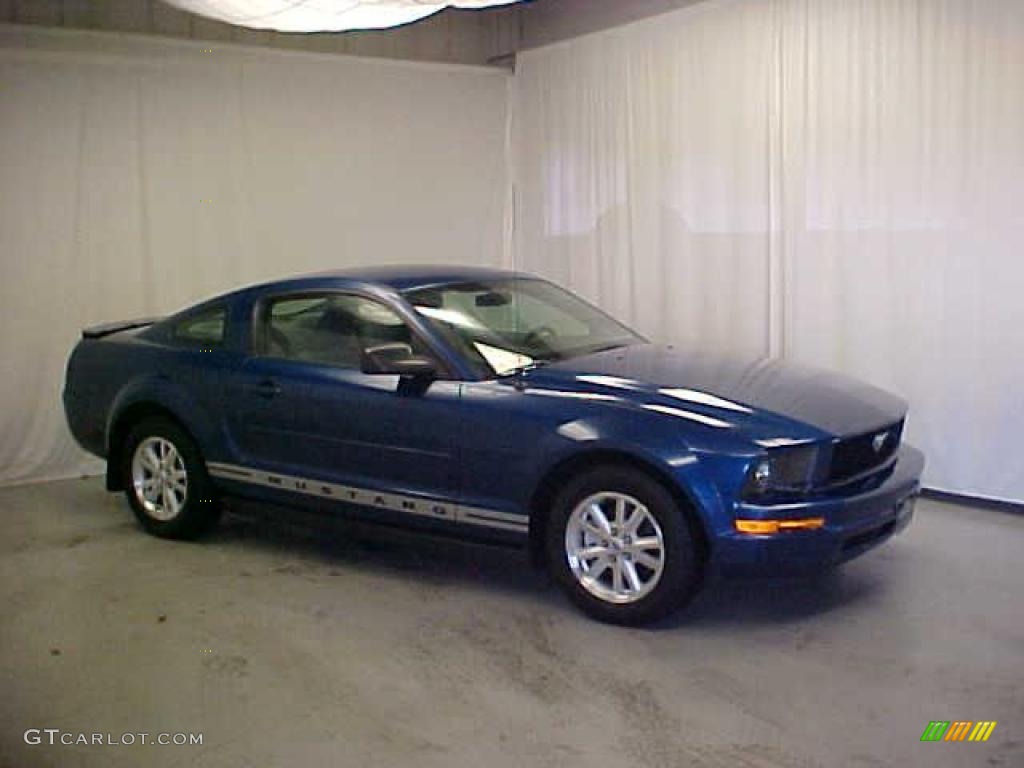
point(494, 403)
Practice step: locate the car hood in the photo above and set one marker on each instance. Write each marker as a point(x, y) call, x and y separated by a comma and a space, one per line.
point(711, 383)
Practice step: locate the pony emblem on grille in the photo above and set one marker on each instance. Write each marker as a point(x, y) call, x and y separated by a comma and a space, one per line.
point(878, 441)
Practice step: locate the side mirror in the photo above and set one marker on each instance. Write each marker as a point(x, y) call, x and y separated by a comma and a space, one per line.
point(397, 359)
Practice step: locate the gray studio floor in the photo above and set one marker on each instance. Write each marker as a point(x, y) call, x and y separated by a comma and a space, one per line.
point(299, 646)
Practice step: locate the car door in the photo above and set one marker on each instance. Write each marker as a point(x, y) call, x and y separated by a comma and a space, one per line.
point(301, 405)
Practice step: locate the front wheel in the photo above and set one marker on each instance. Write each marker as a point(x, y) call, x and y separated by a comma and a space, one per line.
point(166, 481)
point(621, 547)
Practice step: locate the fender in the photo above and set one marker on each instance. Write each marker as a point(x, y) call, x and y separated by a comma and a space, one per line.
point(644, 440)
point(160, 390)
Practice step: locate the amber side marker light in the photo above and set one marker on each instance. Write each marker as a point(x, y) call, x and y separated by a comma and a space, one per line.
point(774, 526)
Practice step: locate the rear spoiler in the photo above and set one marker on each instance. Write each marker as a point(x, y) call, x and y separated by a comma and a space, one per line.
point(99, 331)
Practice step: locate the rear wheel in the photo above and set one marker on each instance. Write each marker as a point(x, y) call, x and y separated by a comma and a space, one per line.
point(166, 481)
point(621, 547)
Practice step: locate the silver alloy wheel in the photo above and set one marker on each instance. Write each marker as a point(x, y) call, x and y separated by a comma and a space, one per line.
point(615, 547)
point(159, 478)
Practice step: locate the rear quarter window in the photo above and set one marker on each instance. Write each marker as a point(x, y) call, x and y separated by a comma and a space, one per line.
point(203, 329)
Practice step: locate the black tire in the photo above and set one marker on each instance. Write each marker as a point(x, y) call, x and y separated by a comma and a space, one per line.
point(683, 561)
point(201, 508)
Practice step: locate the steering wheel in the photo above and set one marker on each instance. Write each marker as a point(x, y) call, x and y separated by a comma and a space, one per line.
point(540, 337)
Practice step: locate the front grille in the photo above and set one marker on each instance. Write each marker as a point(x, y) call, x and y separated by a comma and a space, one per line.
point(855, 456)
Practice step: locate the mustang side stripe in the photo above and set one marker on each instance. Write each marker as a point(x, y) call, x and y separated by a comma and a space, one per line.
point(439, 510)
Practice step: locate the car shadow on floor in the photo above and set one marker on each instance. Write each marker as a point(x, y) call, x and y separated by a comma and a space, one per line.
point(330, 541)
point(333, 542)
point(765, 601)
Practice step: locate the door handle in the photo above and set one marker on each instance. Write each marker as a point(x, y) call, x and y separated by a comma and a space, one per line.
point(267, 388)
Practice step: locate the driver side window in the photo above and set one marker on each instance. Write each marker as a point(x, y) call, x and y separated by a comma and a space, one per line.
point(330, 329)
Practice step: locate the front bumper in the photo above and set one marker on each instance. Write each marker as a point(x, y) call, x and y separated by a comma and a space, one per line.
point(853, 524)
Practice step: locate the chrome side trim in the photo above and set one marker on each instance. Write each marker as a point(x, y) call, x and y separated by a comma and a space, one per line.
point(394, 502)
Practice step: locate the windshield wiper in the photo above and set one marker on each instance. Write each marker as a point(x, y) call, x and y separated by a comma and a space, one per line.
point(607, 348)
point(539, 362)
point(536, 363)
point(595, 350)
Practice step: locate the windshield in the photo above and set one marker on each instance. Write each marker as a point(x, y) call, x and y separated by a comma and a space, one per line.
point(506, 325)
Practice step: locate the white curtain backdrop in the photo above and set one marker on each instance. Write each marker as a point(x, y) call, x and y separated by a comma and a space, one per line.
point(138, 176)
point(840, 183)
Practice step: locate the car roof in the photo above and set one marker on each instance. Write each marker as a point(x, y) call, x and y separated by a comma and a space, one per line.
point(398, 277)
point(392, 277)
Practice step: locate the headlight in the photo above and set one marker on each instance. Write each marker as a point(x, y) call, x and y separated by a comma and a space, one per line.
point(789, 470)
